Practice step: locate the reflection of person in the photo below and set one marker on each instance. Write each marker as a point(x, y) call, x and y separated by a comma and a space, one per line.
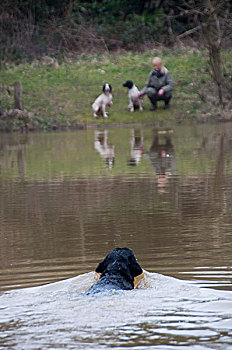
point(163, 159)
point(159, 85)
point(105, 148)
point(137, 147)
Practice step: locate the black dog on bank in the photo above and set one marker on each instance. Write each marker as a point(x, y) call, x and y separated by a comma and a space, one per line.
point(118, 270)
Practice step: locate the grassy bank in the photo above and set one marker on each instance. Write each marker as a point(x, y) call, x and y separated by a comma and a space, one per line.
point(58, 97)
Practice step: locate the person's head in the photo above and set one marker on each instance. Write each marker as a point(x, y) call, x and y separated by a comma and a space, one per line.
point(157, 64)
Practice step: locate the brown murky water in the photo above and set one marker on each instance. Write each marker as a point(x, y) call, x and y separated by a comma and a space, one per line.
point(67, 199)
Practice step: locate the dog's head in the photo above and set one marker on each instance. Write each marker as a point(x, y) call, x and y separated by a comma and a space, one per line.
point(129, 84)
point(107, 88)
point(119, 260)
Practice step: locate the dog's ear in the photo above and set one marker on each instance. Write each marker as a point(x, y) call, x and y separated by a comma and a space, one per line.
point(135, 268)
point(102, 265)
point(110, 88)
point(104, 88)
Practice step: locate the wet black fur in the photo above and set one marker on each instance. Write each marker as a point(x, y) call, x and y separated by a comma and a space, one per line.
point(117, 270)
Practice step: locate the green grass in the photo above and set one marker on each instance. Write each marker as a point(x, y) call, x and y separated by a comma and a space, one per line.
point(60, 97)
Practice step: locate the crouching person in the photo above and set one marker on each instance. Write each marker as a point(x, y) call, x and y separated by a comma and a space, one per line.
point(159, 85)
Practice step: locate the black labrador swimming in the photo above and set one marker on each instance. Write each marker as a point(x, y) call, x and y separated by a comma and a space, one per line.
point(118, 270)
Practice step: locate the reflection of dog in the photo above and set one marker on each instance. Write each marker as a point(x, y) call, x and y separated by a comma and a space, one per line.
point(137, 147)
point(118, 271)
point(103, 101)
point(105, 148)
point(133, 94)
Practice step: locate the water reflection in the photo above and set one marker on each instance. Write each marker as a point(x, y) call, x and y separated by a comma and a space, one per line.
point(137, 147)
point(162, 158)
point(102, 145)
point(15, 148)
point(62, 210)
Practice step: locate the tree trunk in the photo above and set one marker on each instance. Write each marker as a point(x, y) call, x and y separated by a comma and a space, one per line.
point(215, 65)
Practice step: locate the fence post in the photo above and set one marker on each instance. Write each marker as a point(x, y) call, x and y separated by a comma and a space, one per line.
point(18, 95)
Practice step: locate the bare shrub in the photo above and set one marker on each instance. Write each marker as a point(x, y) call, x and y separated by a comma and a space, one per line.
point(21, 38)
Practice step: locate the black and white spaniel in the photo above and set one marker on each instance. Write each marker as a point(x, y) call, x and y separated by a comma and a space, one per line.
point(134, 96)
point(102, 102)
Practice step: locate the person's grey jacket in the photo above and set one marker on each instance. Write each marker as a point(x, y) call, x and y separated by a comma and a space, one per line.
point(165, 81)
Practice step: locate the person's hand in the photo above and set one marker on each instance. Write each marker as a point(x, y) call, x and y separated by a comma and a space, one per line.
point(160, 92)
point(140, 95)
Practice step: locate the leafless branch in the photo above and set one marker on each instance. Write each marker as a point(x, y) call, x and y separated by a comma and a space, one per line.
point(189, 32)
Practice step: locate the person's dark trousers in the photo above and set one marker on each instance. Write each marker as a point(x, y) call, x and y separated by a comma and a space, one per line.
point(166, 97)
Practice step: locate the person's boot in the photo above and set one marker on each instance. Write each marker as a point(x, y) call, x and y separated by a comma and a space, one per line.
point(153, 107)
point(166, 103)
point(154, 104)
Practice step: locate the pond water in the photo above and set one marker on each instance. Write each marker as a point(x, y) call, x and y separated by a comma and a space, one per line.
point(69, 198)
